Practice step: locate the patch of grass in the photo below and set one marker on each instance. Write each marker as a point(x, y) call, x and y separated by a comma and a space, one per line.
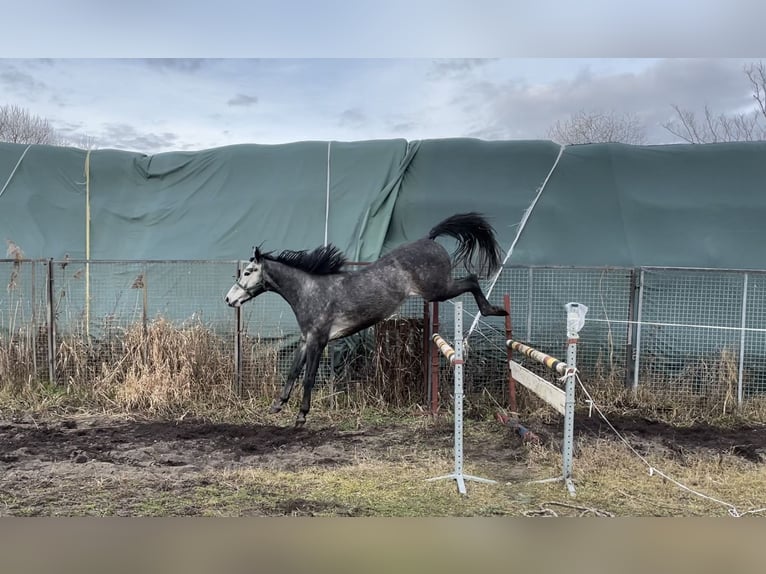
point(390, 480)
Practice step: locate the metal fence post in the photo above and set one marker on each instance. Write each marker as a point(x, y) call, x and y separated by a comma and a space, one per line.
point(34, 329)
point(743, 323)
point(238, 344)
point(529, 305)
point(51, 327)
point(426, 347)
point(639, 318)
point(433, 394)
point(629, 358)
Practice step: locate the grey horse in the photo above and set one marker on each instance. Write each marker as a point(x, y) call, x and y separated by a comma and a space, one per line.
point(330, 303)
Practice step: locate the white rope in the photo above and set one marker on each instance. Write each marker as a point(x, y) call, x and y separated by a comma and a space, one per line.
point(477, 317)
point(519, 231)
point(327, 196)
point(733, 511)
point(568, 373)
point(688, 325)
point(13, 171)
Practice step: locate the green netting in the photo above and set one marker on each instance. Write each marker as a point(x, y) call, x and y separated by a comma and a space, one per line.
point(602, 205)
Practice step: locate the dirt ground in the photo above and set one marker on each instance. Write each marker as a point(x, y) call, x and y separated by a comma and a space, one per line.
point(125, 466)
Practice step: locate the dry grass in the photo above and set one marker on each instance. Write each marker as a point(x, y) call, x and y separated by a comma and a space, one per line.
point(610, 481)
point(165, 369)
point(17, 358)
point(160, 369)
point(611, 477)
point(703, 390)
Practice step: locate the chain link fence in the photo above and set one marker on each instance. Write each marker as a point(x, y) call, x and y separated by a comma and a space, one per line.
point(680, 335)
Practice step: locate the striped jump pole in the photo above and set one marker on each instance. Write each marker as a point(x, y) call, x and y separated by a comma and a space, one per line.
point(455, 357)
point(551, 362)
point(562, 401)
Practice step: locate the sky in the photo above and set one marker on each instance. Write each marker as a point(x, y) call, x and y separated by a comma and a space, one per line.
point(164, 76)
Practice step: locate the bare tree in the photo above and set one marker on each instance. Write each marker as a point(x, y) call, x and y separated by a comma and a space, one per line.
point(17, 125)
point(82, 141)
point(720, 127)
point(598, 127)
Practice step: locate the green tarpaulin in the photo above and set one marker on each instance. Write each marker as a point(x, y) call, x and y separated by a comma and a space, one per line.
point(603, 204)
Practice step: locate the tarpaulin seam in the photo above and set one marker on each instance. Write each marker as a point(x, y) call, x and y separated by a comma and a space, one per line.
point(13, 171)
point(327, 196)
point(519, 231)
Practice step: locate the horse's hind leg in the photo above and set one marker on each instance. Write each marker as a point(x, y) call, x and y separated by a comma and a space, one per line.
point(314, 350)
point(299, 359)
point(469, 284)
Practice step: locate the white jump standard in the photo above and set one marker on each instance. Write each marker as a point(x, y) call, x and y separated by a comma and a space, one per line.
point(455, 357)
point(562, 401)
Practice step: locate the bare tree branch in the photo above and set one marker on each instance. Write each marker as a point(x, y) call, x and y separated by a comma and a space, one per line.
point(722, 127)
point(598, 127)
point(756, 73)
point(17, 125)
point(82, 141)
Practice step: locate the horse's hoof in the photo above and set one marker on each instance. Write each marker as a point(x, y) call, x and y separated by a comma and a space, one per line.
point(300, 420)
point(275, 408)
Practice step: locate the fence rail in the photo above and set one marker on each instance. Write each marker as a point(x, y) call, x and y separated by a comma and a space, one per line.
point(683, 334)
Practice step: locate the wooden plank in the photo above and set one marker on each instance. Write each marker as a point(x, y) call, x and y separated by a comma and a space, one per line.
point(549, 392)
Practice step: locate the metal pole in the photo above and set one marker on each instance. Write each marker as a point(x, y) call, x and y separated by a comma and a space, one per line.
point(145, 304)
point(51, 327)
point(145, 312)
point(631, 327)
point(529, 305)
point(743, 324)
point(456, 360)
point(427, 347)
point(238, 344)
point(575, 321)
point(458, 368)
point(509, 354)
point(34, 319)
point(434, 396)
point(569, 406)
point(639, 318)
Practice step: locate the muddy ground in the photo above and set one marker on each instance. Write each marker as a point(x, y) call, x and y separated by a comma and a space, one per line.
point(123, 466)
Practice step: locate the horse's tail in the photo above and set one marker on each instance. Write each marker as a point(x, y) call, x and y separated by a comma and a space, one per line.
point(473, 234)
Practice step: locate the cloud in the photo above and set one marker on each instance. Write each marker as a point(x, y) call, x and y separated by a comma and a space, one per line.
point(242, 100)
point(521, 109)
point(453, 66)
point(21, 82)
point(187, 65)
point(66, 127)
point(352, 117)
point(124, 136)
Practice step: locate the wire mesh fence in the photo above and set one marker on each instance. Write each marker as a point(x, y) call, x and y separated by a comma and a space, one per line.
point(682, 335)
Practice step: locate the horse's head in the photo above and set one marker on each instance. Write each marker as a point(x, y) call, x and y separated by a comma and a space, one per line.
point(250, 284)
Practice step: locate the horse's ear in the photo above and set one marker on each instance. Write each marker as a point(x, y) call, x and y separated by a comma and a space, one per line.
point(256, 254)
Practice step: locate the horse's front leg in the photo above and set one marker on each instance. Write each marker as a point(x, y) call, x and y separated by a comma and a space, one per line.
point(299, 359)
point(314, 350)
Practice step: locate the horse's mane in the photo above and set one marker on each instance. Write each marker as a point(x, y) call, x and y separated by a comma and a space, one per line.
point(324, 260)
